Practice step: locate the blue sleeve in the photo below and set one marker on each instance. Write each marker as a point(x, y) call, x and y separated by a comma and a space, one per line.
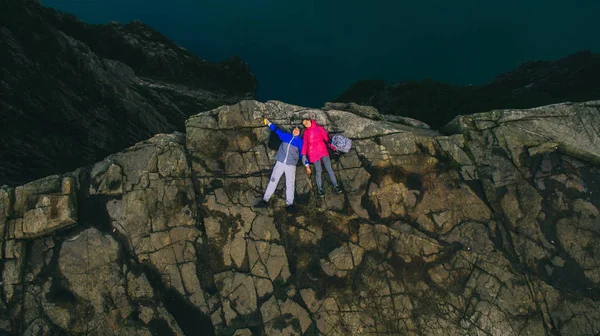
point(284, 136)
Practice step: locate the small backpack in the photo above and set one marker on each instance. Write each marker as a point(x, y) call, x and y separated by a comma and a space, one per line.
point(341, 143)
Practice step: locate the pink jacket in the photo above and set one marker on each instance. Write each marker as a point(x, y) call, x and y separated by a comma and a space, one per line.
point(316, 141)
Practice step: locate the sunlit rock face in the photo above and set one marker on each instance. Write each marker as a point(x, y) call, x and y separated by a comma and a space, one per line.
point(72, 93)
point(491, 228)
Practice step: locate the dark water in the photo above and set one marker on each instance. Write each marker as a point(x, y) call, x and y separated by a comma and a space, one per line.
point(308, 52)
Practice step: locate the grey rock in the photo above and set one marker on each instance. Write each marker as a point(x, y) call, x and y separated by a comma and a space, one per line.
point(237, 289)
point(146, 314)
point(346, 257)
point(405, 121)
point(363, 111)
point(139, 287)
point(90, 275)
point(570, 127)
point(243, 332)
point(435, 234)
point(50, 213)
point(272, 312)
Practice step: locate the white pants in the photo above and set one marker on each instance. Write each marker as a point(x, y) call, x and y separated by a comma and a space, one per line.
point(290, 181)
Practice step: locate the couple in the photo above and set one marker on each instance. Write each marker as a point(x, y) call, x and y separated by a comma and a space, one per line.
point(313, 145)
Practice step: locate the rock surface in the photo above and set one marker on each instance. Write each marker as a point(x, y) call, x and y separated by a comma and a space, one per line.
point(363, 111)
point(572, 78)
point(73, 93)
point(492, 230)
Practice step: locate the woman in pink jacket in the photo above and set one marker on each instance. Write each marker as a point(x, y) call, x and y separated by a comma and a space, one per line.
point(315, 145)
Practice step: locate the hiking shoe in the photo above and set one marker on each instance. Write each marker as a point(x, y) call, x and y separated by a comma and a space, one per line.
point(290, 209)
point(337, 190)
point(261, 204)
point(320, 193)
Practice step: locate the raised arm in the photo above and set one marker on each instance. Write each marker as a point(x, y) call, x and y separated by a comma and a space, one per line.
point(284, 136)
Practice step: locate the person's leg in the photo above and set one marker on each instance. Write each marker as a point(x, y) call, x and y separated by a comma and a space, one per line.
point(290, 184)
point(327, 164)
point(275, 176)
point(318, 170)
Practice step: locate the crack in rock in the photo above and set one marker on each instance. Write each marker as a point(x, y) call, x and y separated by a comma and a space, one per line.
point(488, 231)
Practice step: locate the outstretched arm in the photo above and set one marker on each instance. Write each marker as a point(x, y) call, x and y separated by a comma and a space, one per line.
point(325, 137)
point(284, 136)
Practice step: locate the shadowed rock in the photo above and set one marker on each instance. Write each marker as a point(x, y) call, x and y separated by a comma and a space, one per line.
point(536, 83)
point(72, 93)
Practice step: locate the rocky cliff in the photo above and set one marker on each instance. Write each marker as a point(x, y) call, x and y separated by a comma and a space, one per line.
point(492, 230)
point(537, 83)
point(72, 93)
